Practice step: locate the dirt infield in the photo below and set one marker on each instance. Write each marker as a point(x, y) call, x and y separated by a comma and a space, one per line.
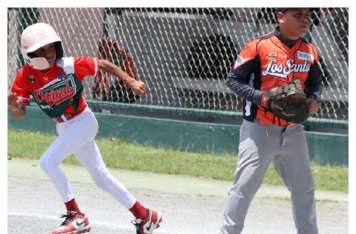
point(189, 205)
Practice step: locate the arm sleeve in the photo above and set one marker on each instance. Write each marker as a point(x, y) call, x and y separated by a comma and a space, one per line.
point(313, 82)
point(20, 87)
point(86, 66)
point(239, 76)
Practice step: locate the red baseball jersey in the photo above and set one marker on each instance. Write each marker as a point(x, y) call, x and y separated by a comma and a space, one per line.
point(57, 91)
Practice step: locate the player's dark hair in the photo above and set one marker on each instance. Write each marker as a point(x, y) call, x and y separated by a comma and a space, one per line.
point(59, 49)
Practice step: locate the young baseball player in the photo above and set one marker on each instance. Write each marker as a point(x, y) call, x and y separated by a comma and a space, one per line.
point(274, 60)
point(55, 83)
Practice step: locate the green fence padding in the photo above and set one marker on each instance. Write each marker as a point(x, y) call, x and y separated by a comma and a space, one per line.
point(325, 148)
point(201, 115)
point(181, 135)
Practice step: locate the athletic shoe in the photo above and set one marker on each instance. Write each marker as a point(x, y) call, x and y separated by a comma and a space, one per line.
point(74, 223)
point(149, 223)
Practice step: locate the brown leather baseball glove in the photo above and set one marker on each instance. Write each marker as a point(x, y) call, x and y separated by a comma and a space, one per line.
point(289, 102)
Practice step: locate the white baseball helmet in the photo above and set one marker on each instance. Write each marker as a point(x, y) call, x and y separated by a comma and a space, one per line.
point(36, 36)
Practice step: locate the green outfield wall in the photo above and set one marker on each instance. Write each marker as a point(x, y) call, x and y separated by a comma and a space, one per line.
point(168, 131)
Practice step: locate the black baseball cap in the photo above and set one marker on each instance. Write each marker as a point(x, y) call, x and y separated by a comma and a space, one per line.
point(281, 9)
point(284, 9)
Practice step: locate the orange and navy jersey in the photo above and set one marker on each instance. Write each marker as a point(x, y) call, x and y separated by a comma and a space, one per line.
point(269, 62)
point(57, 91)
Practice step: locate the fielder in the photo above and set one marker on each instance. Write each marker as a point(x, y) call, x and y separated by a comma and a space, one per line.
point(55, 83)
point(278, 76)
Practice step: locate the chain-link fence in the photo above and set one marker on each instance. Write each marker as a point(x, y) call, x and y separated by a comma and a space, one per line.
point(183, 54)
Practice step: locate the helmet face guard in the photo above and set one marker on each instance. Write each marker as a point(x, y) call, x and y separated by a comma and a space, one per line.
point(39, 63)
point(35, 37)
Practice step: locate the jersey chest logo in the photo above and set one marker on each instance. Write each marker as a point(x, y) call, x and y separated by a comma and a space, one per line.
point(56, 91)
point(282, 71)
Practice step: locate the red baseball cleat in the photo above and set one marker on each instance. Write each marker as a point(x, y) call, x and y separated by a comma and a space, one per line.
point(74, 223)
point(150, 223)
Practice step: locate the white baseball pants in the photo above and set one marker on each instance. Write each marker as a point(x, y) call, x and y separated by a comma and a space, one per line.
point(77, 136)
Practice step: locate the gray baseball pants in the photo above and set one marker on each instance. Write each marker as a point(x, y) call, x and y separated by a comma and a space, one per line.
point(287, 148)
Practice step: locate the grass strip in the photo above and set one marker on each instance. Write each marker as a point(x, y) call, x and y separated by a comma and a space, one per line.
point(119, 154)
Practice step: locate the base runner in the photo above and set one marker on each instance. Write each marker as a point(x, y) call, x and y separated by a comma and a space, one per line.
point(55, 83)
